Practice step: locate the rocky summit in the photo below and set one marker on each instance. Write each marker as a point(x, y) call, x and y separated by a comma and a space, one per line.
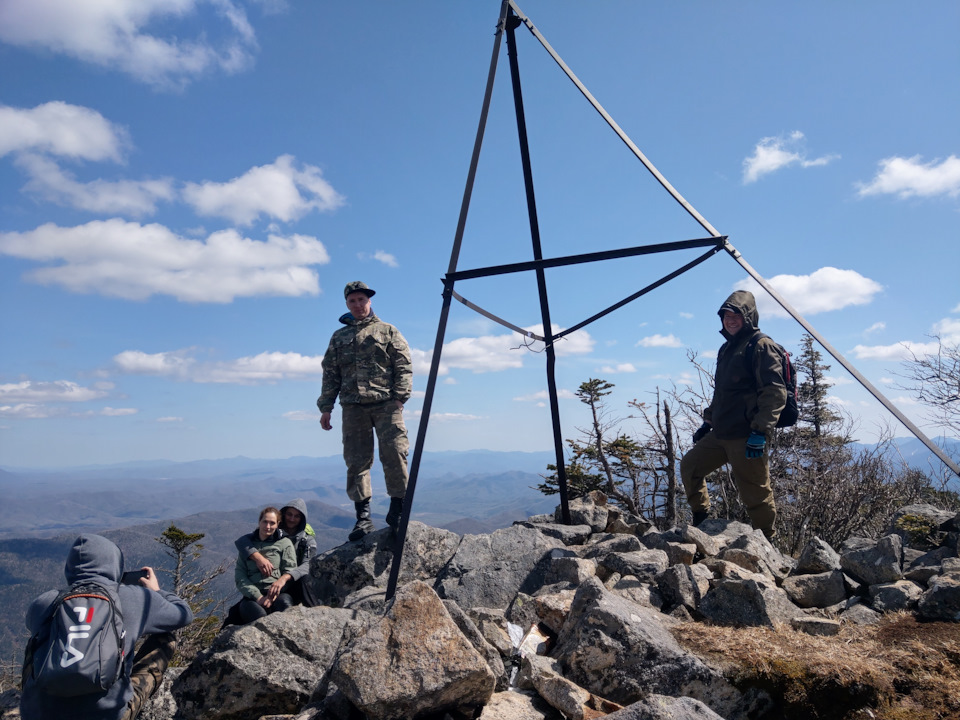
point(543, 620)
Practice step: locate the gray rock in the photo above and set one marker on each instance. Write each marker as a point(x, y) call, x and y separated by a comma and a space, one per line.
point(747, 603)
point(816, 625)
point(769, 560)
point(516, 705)
point(414, 660)
point(492, 624)
point(817, 557)
point(621, 651)
point(600, 545)
point(486, 650)
point(664, 707)
point(567, 534)
point(941, 601)
point(574, 702)
point(569, 569)
point(860, 614)
point(875, 564)
point(547, 607)
point(639, 592)
point(366, 563)
point(819, 590)
point(706, 545)
point(920, 525)
point(272, 665)
point(891, 597)
point(591, 509)
point(489, 570)
point(162, 706)
point(684, 585)
point(642, 564)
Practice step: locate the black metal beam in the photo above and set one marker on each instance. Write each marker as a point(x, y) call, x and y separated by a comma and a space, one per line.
point(714, 242)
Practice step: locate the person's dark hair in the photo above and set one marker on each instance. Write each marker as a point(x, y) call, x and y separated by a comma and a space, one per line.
point(270, 509)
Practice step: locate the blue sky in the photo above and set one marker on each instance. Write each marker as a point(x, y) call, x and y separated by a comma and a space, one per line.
point(185, 187)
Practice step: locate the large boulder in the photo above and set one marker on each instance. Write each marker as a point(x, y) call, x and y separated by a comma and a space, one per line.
point(941, 601)
point(877, 563)
point(365, 564)
point(489, 570)
point(742, 603)
point(413, 661)
point(270, 666)
point(622, 652)
point(663, 707)
point(816, 590)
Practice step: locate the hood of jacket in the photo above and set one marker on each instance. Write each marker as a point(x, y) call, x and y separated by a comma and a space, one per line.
point(301, 505)
point(743, 302)
point(349, 319)
point(93, 558)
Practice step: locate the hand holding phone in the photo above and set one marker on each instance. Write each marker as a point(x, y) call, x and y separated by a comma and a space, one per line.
point(132, 577)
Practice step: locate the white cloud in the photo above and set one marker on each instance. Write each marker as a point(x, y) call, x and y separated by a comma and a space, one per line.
point(27, 411)
point(112, 34)
point(773, 153)
point(448, 417)
point(32, 392)
point(667, 341)
point(823, 290)
point(686, 315)
point(301, 415)
point(118, 412)
point(267, 367)
point(876, 327)
point(544, 395)
point(169, 419)
point(58, 128)
point(133, 261)
point(619, 368)
point(495, 353)
point(838, 380)
point(896, 352)
point(127, 197)
point(279, 191)
point(380, 256)
point(910, 177)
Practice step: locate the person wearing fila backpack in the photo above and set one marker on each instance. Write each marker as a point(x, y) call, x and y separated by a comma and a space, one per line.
point(749, 395)
point(145, 609)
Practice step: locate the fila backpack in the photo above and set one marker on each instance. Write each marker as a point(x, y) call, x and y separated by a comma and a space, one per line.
point(80, 651)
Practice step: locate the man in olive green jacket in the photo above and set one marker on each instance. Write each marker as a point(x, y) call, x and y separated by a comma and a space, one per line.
point(747, 402)
point(368, 365)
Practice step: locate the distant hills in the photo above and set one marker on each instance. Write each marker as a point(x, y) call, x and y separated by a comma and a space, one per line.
point(133, 503)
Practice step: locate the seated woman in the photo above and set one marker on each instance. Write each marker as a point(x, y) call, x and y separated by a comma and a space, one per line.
point(262, 593)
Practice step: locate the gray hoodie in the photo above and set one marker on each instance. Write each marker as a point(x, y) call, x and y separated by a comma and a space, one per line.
point(96, 559)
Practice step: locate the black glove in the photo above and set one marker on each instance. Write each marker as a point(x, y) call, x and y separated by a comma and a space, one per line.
point(701, 433)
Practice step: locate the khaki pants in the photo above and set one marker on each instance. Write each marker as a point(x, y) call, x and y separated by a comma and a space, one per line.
point(751, 476)
point(359, 423)
point(149, 665)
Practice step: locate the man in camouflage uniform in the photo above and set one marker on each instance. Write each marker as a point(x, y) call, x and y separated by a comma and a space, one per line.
point(368, 365)
point(747, 402)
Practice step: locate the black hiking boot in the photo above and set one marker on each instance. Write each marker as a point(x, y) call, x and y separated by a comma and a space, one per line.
point(393, 515)
point(364, 523)
point(699, 516)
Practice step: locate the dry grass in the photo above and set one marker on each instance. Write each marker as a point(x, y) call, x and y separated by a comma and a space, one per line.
point(897, 670)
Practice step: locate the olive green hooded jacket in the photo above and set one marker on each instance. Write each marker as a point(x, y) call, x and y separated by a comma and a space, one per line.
point(746, 400)
point(367, 361)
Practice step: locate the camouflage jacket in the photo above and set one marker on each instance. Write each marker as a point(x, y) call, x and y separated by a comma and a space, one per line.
point(367, 361)
point(745, 400)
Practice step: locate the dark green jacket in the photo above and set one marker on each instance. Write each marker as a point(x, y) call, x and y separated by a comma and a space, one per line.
point(278, 550)
point(367, 361)
point(746, 399)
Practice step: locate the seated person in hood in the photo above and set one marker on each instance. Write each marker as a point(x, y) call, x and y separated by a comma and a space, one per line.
point(293, 523)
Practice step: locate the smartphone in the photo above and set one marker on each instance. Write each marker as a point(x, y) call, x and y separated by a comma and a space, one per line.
point(132, 577)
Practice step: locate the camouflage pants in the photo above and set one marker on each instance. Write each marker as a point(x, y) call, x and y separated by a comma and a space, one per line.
point(359, 423)
point(751, 476)
point(149, 665)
